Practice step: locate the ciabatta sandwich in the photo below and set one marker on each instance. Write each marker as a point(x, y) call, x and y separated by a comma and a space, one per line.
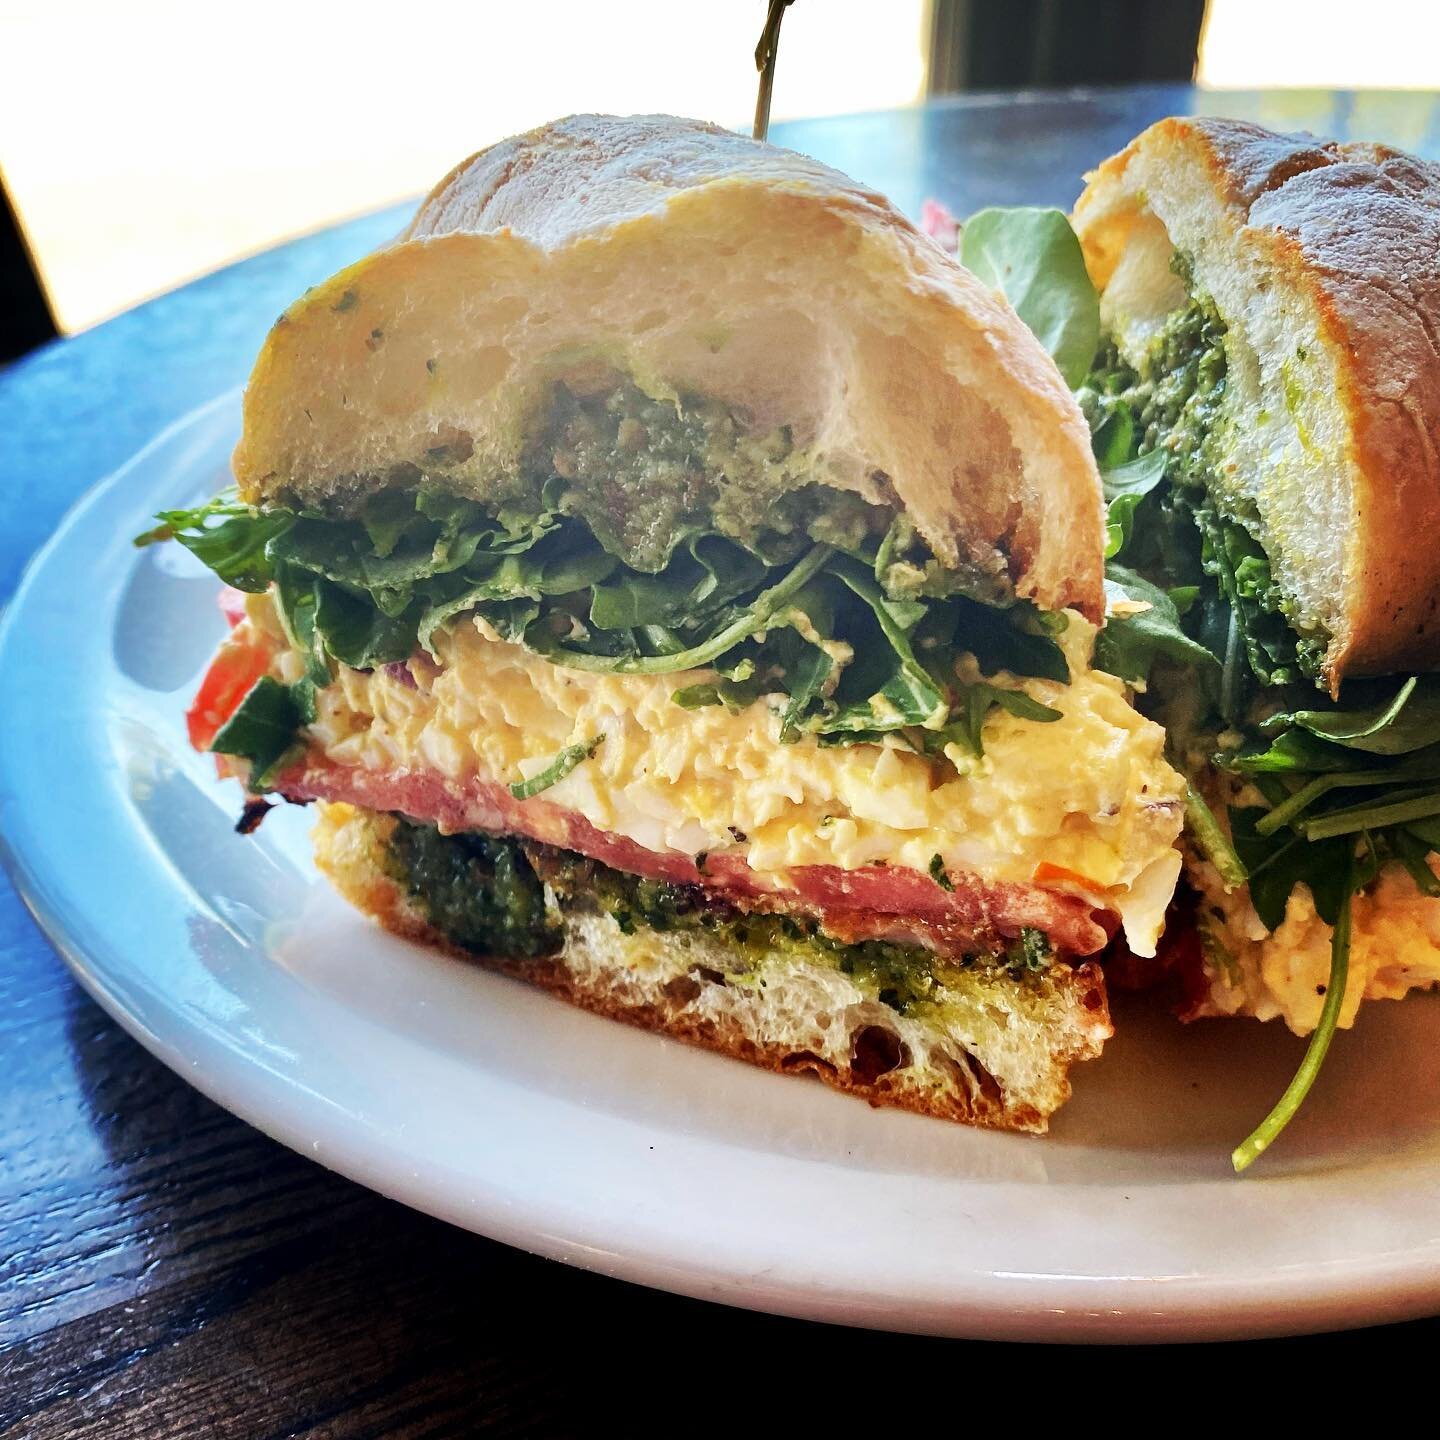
point(1271, 304)
point(677, 581)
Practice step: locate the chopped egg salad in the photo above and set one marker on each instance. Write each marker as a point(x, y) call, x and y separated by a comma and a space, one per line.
point(1085, 804)
point(1394, 948)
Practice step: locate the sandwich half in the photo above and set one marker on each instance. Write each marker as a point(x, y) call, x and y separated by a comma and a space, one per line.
point(676, 579)
point(1270, 398)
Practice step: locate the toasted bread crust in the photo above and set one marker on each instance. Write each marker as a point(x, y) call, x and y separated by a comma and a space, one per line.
point(348, 847)
point(1352, 233)
point(707, 263)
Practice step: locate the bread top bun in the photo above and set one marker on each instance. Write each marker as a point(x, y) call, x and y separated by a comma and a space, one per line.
point(699, 263)
point(1321, 261)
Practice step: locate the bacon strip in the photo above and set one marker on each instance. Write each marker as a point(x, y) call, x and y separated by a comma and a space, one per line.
point(876, 902)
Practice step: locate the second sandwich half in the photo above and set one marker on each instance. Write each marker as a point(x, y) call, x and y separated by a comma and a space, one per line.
point(678, 579)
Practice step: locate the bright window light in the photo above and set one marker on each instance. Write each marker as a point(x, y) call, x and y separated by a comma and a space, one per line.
point(1321, 44)
point(149, 141)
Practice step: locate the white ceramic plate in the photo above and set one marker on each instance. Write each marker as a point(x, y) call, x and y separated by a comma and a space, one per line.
point(504, 1111)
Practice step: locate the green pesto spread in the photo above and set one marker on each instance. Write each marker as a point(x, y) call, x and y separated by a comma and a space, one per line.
point(642, 471)
point(1172, 401)
point(480, 893)
point(511, 897)
point(1173, 397)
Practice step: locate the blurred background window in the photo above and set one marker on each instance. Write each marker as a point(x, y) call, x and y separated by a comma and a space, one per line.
point(1321, 45)
point(143, 142)
point(146, 141)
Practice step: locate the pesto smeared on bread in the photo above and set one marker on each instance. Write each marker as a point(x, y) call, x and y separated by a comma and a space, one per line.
point(511, 897)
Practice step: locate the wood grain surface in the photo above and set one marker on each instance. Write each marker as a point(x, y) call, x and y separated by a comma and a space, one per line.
point(167, 1271)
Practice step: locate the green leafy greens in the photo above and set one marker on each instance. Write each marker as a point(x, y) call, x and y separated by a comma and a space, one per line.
point(556, 770)
point(1260, 1139)
point(1143, 627)
point(1033, 257)
point(1125, 486)
point(833, 631)
point(262, 729)
point(1347, 786)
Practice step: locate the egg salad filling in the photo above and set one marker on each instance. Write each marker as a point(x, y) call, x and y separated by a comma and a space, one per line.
point(1083, 802)
point(1284, 973)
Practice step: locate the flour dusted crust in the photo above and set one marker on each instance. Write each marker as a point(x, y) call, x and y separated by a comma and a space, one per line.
point(1323, 259)
point(1011, 1074)
point(700, 262)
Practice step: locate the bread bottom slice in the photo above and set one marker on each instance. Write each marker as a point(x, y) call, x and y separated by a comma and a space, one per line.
point(997, 1053)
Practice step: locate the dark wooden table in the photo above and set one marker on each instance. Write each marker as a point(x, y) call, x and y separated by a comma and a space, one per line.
point(167, 1271)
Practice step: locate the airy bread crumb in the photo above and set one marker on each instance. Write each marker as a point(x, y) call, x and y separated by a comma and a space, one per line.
point(1002, 1062)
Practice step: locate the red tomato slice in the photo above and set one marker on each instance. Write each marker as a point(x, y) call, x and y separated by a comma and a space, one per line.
point(232, 604)
point(232, 672)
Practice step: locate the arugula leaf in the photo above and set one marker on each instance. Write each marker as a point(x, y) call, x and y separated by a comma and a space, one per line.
point(1411, 852)
point(1032, 256)
point(1125, 486)
point(700, 581)
point(1398, 808)
point(387, 515)
point(751, 619)
point(1292, 752)
point(231, 538)
point(1113, 440)
point(355, 632)
point(1211, 840)
point(1260, 631)
point(438, 613)
point(979, 698)
point(1002, 640)
point(805, 677)
point(637, 599)
point(1130, 643)
point(1264, 1135)
point(511, 619)
point(907, 694)
point(1019, 704)
point(556, 770)
point(966, 728)
point(296, 592)
point(1394, 724)
point(1276, 864)
point(262, 729)
point(734, 695)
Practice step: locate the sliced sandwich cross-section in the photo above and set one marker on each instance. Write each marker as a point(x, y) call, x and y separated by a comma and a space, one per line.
point(677, 581)
point(1271, 305)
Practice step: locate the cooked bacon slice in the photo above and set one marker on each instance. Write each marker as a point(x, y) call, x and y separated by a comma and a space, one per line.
point(876, 902)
